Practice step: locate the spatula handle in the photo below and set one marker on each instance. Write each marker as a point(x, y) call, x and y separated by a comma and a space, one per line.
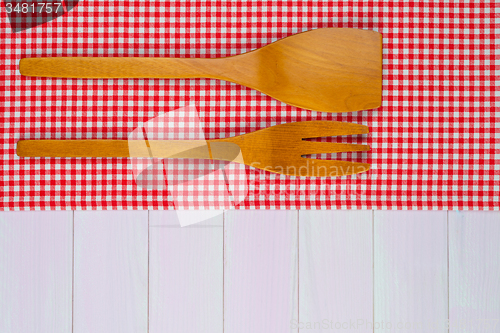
point(116, 148)
point(123, 67)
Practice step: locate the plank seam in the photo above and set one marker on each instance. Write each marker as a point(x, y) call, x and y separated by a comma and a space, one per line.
point(148, 272)
point(373, 268)
point(298, 272)
point(223, 265)
point(73, 275)
point(448, 264)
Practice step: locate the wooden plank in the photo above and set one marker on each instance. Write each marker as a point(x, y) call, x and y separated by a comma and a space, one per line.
point(111, 271)
point(260, 271)
point(474, 271)
point(335, 270)
point(186, 273)
point(36, 263)
point(189, 217)
point(411, 275)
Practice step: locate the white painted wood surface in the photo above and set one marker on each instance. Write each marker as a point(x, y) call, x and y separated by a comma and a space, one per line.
point(410, 271)
point(260, 271)
point(186, 274)
point(474, 272)
point(257, 271)
point(335, 271)
point(111, 272)
point(35, 271)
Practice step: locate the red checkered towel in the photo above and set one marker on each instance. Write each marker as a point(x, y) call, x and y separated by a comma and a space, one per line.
point(435, 141)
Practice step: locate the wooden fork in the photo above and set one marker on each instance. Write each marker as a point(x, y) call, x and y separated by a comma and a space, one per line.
point(329, 69)
point(279, 149)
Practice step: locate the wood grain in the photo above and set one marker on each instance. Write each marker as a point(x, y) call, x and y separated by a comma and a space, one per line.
point(474, 271)
point(336, 271)
point(36, 266)
point(260, 271)
point(114, 148)
point(111, 271)
point(410, 270)
point(186, 274)
point(328, 69)
point(277, 149)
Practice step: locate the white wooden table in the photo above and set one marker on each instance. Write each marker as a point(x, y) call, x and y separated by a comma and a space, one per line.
point(250, 271)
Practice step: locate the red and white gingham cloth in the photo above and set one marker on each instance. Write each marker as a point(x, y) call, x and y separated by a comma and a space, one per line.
point(435, 141)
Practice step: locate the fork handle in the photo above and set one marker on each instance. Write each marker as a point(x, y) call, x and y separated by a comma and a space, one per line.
point(124, 67)
point(205, 149)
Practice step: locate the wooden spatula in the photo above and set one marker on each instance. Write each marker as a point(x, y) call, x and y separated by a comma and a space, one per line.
point(329, 69)
point(278, 149)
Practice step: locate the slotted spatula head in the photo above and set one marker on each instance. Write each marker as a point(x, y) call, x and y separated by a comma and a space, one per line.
point(281, 148)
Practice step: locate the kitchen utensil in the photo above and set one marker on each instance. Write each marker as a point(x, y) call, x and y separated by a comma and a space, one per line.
point(328, 69)
point(279, 149)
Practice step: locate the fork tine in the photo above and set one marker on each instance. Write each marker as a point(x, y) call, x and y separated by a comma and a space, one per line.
point(319, 128)
point(311, 167)
point(333, 168)
point(310, 147)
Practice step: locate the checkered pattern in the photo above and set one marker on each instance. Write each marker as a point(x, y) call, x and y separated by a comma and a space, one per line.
point(191, 183)
point(435, 140)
